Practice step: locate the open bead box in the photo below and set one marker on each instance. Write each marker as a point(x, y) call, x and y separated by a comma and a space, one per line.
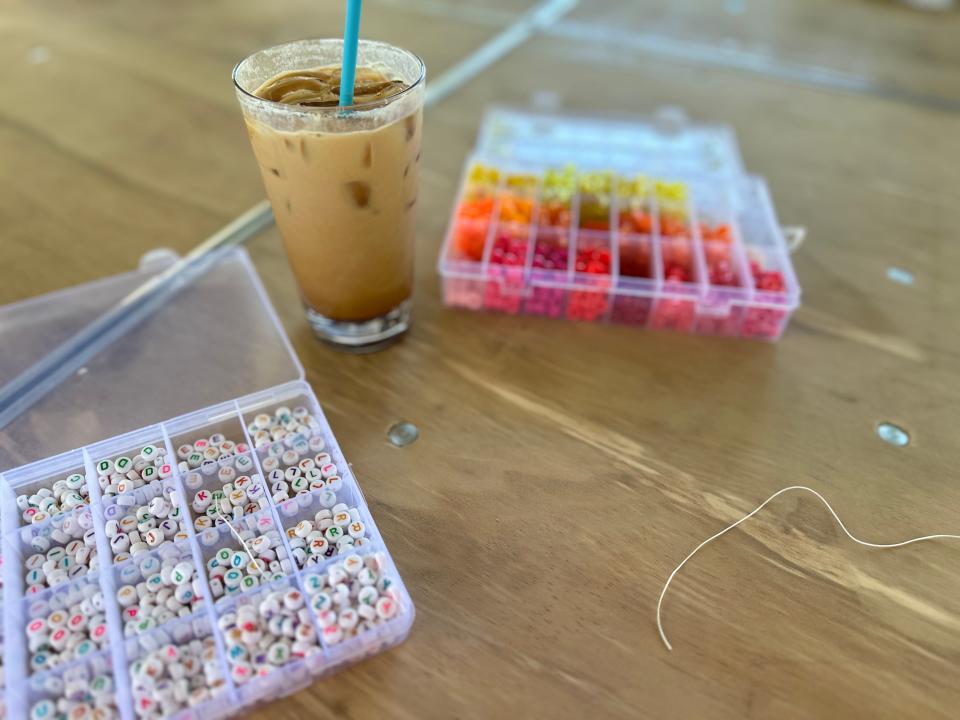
point(274, 563)
point(646, 223)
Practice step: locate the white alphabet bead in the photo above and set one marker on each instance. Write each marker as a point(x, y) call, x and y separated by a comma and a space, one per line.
point(352, 596)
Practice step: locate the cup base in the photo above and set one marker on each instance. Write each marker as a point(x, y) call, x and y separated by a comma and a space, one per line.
point(361, 337)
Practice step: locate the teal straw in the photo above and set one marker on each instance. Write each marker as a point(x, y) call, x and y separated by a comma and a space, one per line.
point(351, 37)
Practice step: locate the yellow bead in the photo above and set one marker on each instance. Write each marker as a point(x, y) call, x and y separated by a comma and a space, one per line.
point(483, 174)
point(670, 191)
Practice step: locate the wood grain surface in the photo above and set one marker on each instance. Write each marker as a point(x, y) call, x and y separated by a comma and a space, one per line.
point(564, 469)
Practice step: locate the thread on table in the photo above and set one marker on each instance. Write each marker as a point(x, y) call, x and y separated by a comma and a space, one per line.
point(804, 488)
point(794, 235)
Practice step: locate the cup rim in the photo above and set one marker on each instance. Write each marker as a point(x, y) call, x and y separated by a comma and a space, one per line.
point(337, 108)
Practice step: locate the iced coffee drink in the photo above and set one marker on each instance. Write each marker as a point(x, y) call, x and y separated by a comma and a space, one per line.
point(342, 181)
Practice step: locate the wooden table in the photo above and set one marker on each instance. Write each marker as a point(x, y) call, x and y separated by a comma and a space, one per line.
point(563, 469)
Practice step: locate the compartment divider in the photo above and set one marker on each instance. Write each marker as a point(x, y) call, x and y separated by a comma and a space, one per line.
point(611, 292)
point(657, 252)
point(614, 221)
point(614, 243)
point(696, 242)
point(14, 642)
point(741, 258)
point(118, 651)
point(527, 268)
point(285, 541)
point(492, 230)
point(751, 285)
point(200, 568)
point(574, 232)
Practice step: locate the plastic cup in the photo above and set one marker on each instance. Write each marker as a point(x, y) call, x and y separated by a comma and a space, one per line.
point(343, 186)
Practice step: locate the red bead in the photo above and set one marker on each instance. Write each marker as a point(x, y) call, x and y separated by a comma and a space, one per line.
point(635, 259)
point(764, 323)
point(502, 290)
point(767, 280)
point(721, 273)
point(550, 254)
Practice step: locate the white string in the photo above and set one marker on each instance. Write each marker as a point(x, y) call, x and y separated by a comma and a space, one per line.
point(882, 546)
point(257, 562)
point(794, 235)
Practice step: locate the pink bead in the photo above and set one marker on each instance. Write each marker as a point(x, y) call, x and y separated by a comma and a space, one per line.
point(631, 310)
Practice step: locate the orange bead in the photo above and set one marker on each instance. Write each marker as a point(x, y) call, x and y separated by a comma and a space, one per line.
point(515, 209)
point(672, 226)
point(636, 221)
point(469, 237)
point(718, 233)
point(479, 208)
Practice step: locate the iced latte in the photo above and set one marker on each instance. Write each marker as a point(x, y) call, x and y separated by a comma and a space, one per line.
point(342, 181)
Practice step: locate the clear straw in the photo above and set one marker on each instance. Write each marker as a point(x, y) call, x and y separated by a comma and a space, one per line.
point(351, 38)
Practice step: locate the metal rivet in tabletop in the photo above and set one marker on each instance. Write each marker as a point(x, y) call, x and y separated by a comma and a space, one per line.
point(893, 434)
point(904, 277)
point(403, 433)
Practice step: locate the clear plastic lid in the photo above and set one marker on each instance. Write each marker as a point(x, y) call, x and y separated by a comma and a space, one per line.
point(216, 340)
point(665, 144)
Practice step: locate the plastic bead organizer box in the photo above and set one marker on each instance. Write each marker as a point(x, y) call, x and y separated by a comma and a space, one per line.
point(651, 223)
point(201, 564)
